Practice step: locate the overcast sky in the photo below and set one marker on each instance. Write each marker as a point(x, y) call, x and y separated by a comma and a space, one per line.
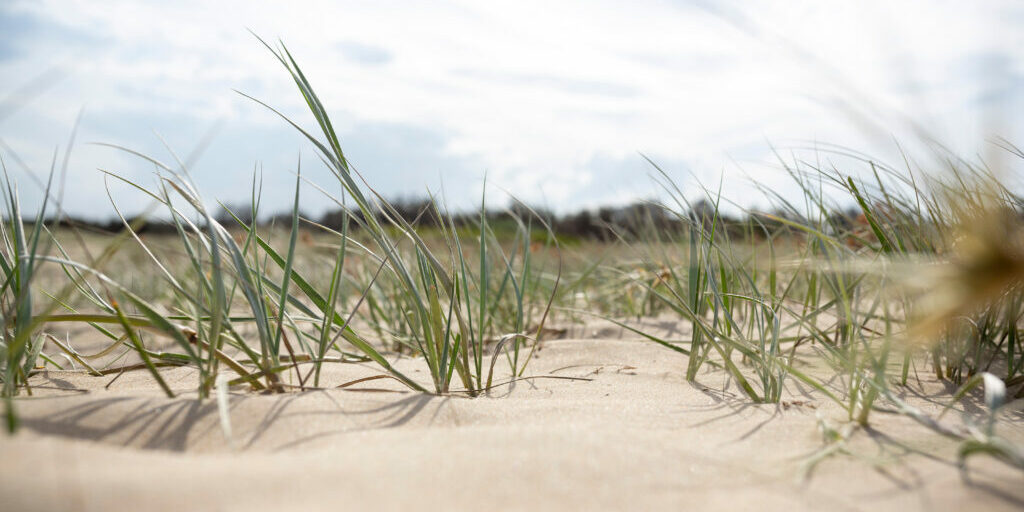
point(552, 101)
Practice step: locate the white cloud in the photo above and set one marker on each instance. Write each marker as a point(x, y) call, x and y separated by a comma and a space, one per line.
point(531, 92)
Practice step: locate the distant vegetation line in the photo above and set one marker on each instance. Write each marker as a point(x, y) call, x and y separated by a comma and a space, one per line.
point(601, 224)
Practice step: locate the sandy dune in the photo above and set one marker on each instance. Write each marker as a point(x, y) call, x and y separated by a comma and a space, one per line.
point(632, 436)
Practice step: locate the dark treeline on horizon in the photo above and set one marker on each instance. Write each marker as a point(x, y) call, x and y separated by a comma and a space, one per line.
point(632, 221)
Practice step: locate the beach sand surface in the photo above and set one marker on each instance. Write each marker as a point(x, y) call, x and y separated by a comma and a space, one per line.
point(606, 422)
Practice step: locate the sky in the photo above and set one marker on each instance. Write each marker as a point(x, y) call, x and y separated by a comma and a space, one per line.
point(556, 103)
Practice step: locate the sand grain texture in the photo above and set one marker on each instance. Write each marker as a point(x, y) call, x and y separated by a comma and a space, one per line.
point(635, 436)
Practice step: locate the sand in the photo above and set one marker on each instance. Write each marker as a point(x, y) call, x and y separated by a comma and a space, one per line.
point(634, 435)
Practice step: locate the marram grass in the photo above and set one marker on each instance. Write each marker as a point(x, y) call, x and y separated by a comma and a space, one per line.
point(925, 276)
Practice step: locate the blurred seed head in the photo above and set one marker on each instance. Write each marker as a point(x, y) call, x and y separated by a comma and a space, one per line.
point(985, 261)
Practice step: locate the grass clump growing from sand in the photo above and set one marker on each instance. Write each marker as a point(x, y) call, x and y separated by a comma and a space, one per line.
point(925, 273)
point(21, 345)
point(448, 310)
point(242, 304)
